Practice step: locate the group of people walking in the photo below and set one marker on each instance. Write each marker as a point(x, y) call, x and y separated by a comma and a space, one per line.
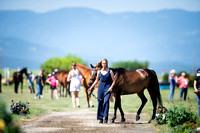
point(183, 85)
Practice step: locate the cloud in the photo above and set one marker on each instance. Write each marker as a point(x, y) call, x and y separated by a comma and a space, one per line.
point(192, 33)
point(33, 49)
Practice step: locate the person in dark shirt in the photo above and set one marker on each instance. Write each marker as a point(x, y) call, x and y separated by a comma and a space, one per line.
point(43, 78)
point(39, 84)
point(197, 89)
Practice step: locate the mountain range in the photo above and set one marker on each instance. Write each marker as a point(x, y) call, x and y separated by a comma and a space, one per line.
point(166, 39)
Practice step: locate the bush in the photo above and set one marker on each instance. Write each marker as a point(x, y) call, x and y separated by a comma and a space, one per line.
point(161, 115)
point(182, 120)
point(20, 108)
point(6, 124)
point(178, 116)
point(130, 65)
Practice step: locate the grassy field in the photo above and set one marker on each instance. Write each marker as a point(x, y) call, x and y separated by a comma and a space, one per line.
point(130, 103)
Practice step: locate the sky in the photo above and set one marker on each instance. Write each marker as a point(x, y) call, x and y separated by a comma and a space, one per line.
point(106, 6)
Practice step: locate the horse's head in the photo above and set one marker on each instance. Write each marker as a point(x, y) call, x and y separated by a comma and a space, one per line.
point(24, 70)
point(93, 75)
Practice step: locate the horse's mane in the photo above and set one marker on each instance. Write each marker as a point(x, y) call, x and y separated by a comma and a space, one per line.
point(80, 65)
point(119, 74)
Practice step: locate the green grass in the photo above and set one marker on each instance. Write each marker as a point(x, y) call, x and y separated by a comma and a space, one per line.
point(130, 103)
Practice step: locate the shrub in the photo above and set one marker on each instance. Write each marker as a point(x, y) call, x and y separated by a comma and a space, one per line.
point(182, 120)
point(20, 108)
point(161, 115)
point(6, 124)
point(178, 116)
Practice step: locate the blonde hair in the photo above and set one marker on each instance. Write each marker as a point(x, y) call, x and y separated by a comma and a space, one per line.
point(99, 65)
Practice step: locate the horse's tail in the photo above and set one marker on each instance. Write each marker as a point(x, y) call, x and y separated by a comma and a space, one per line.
point(156, 87)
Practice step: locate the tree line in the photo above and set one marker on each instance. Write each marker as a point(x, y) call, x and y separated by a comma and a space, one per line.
point(64, 63)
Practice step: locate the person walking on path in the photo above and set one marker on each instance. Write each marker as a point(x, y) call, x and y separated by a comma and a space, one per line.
point(173, 80)
point(53, 81)
point(39, 84)
point(107, 81)
point(43, 78)
point(30, 82)
point(75, 84)
point(183, 85)
point(197, 89)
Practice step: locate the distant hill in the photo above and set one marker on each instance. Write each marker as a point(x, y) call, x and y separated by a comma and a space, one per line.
point(170, 36)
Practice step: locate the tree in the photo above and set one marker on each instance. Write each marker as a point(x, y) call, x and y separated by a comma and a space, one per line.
point(130, 65)
point(63, 63)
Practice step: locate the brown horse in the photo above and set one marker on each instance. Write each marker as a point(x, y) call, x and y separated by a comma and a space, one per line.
point(131, 82)
point(18, 78)
point(62, 78)
point(87, 74)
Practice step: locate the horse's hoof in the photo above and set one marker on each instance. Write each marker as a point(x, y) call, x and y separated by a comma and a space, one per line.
point(123, 120)
point(150, 121)
point(112, 121)
point(137, 117)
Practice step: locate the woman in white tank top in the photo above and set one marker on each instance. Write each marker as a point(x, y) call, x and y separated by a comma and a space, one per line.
point(75, 84)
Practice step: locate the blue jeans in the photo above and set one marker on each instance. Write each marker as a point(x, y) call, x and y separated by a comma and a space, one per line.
point(198, 102)
point(39, 87)
point(183, 90)
point(171, 94)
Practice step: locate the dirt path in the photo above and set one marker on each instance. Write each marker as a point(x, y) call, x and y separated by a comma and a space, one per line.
point(86, 122)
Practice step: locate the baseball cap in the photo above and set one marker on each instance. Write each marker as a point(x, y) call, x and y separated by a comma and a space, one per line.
point(172, 71)
point(198, 70)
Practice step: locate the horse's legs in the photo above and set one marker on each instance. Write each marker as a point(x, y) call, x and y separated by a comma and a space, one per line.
point(121, 111)
point(144, 101)
point(60, 90)
point(21, 87)
point(68, 89)
point(87, 96)
point(115, 112)
point(63, 91)
point(118, 105)
point(154, 100)
point(16, 87)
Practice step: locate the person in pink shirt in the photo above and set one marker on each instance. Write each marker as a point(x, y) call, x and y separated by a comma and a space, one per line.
point(53, 81)
point(183, 85)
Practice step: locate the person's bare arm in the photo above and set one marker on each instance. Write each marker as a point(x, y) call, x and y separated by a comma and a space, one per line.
point(195, 87)
point(69, 76)
point(113, 79)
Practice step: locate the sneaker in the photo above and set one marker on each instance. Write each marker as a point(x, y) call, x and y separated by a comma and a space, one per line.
point(78, 106)
point(181, 99)
point(41, 95)
point(35, 98)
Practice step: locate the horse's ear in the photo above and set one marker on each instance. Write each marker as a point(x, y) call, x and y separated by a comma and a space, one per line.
point(91, 66)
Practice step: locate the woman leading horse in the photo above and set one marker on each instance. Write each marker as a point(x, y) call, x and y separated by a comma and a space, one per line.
point(131, 82)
